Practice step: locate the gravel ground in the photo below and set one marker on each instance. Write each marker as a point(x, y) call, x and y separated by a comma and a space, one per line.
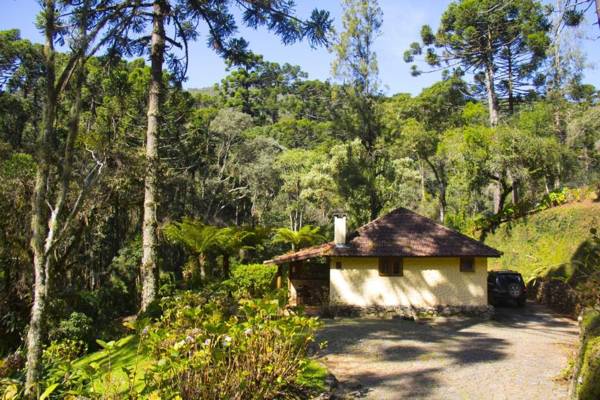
point(519, 354)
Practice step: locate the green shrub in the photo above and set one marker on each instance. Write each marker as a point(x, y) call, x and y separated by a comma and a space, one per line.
point(207, 345)
point(210, 347)
point(64, 351)
point(555, 198)
point(11, 364)
point(589, 377)
point(60, 379)
point(580, 194)
point(252, 281)
point(78, 327)
point(111, 373)
point(564, 195)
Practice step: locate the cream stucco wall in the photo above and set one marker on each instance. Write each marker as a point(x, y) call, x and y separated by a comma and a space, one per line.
point(427, 282)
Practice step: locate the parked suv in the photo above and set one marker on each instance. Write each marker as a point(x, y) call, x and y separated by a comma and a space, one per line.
point(506, 286)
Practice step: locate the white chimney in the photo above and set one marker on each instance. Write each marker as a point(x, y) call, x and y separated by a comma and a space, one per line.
point(339, 229)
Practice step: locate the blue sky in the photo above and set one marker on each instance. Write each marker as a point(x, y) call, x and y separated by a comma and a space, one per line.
point(402, 21)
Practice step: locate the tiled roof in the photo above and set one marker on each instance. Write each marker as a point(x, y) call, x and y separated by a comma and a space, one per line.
point(400, 233)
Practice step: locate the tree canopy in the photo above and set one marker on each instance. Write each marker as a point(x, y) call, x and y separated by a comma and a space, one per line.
point(121, 188)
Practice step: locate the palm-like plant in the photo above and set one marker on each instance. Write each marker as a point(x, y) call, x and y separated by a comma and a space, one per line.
point(200, 239)
point(196, 237)
point(304, 237)
point(231, 241)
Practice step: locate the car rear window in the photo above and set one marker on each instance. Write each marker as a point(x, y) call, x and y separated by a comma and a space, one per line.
point(506, 279)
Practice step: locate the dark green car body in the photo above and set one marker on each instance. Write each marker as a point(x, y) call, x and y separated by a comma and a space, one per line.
point(506, 287)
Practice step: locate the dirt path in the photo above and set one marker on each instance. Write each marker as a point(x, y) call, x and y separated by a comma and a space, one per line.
point(517, 355)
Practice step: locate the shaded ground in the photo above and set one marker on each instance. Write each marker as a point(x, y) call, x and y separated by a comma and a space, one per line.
point(517, 355)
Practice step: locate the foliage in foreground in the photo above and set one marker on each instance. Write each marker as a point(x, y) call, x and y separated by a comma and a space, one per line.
point(211, 348)
point(214, 344)
point(589, 377)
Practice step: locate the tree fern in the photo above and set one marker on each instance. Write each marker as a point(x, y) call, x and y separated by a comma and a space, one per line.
point(304, 237)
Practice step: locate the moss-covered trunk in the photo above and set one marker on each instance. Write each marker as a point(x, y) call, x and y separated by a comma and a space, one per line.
point(39, 229)
point(149, 269)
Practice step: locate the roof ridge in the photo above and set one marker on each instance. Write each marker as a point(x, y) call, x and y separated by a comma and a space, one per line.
point(422, 217)
point(381, 217)
point(480, 243)
point(401, 232)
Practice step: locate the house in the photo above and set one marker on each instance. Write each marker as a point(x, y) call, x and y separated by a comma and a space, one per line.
point(400, 263)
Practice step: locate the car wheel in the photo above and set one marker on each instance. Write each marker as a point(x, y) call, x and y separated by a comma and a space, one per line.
point(514, 291)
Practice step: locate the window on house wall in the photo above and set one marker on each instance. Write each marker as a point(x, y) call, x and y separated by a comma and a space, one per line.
point(467, 264)
point(390, 266)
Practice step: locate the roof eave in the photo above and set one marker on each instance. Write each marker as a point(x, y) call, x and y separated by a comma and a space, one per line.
point(291, 258)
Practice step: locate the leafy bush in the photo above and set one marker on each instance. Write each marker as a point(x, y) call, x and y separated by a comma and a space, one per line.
point(210, 347)
point(11, 364)
point(112, 373)
point(60, 379)
point(580, 194)
point(589, 377)
point(78, 327)
point(555, 198)
point(64, 351)
point(252, 280)
point(586, 276)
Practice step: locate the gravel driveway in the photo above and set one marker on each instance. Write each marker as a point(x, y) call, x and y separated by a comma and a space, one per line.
point(517, 355)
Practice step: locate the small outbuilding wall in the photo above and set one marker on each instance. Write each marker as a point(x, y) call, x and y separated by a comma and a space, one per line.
point(308, 283)
point(426, 282)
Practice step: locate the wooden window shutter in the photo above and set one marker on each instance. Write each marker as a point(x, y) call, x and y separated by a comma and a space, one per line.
point(398, 267)
point(390, 266)
point(467, 264)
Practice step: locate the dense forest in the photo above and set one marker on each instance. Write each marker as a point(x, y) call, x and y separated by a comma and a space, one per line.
point(119, 187)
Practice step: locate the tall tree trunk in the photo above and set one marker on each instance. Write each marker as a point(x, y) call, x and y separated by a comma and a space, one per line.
point(45, 240)
point(202, 268)
point(511, 97)
point(503, 191)
point(374, 203)
point(36, 332)
point(490, 82)
point(557, 91)
point(441, 180)
point(422, 183)
point(516, 193)
point(149, 269)
point(496, 196)
point(443, 203)
point(226, 266)
point(491, 94)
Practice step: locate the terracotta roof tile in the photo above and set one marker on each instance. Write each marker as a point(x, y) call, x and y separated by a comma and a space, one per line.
point(400, 233)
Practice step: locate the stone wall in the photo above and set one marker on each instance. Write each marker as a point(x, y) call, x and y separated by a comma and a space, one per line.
point(389, 312)
point(556, 294)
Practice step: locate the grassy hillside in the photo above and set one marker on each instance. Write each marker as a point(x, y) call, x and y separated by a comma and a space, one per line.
point(561, 242)
point(589, 383)
point(551, 241)
point(110, 366)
